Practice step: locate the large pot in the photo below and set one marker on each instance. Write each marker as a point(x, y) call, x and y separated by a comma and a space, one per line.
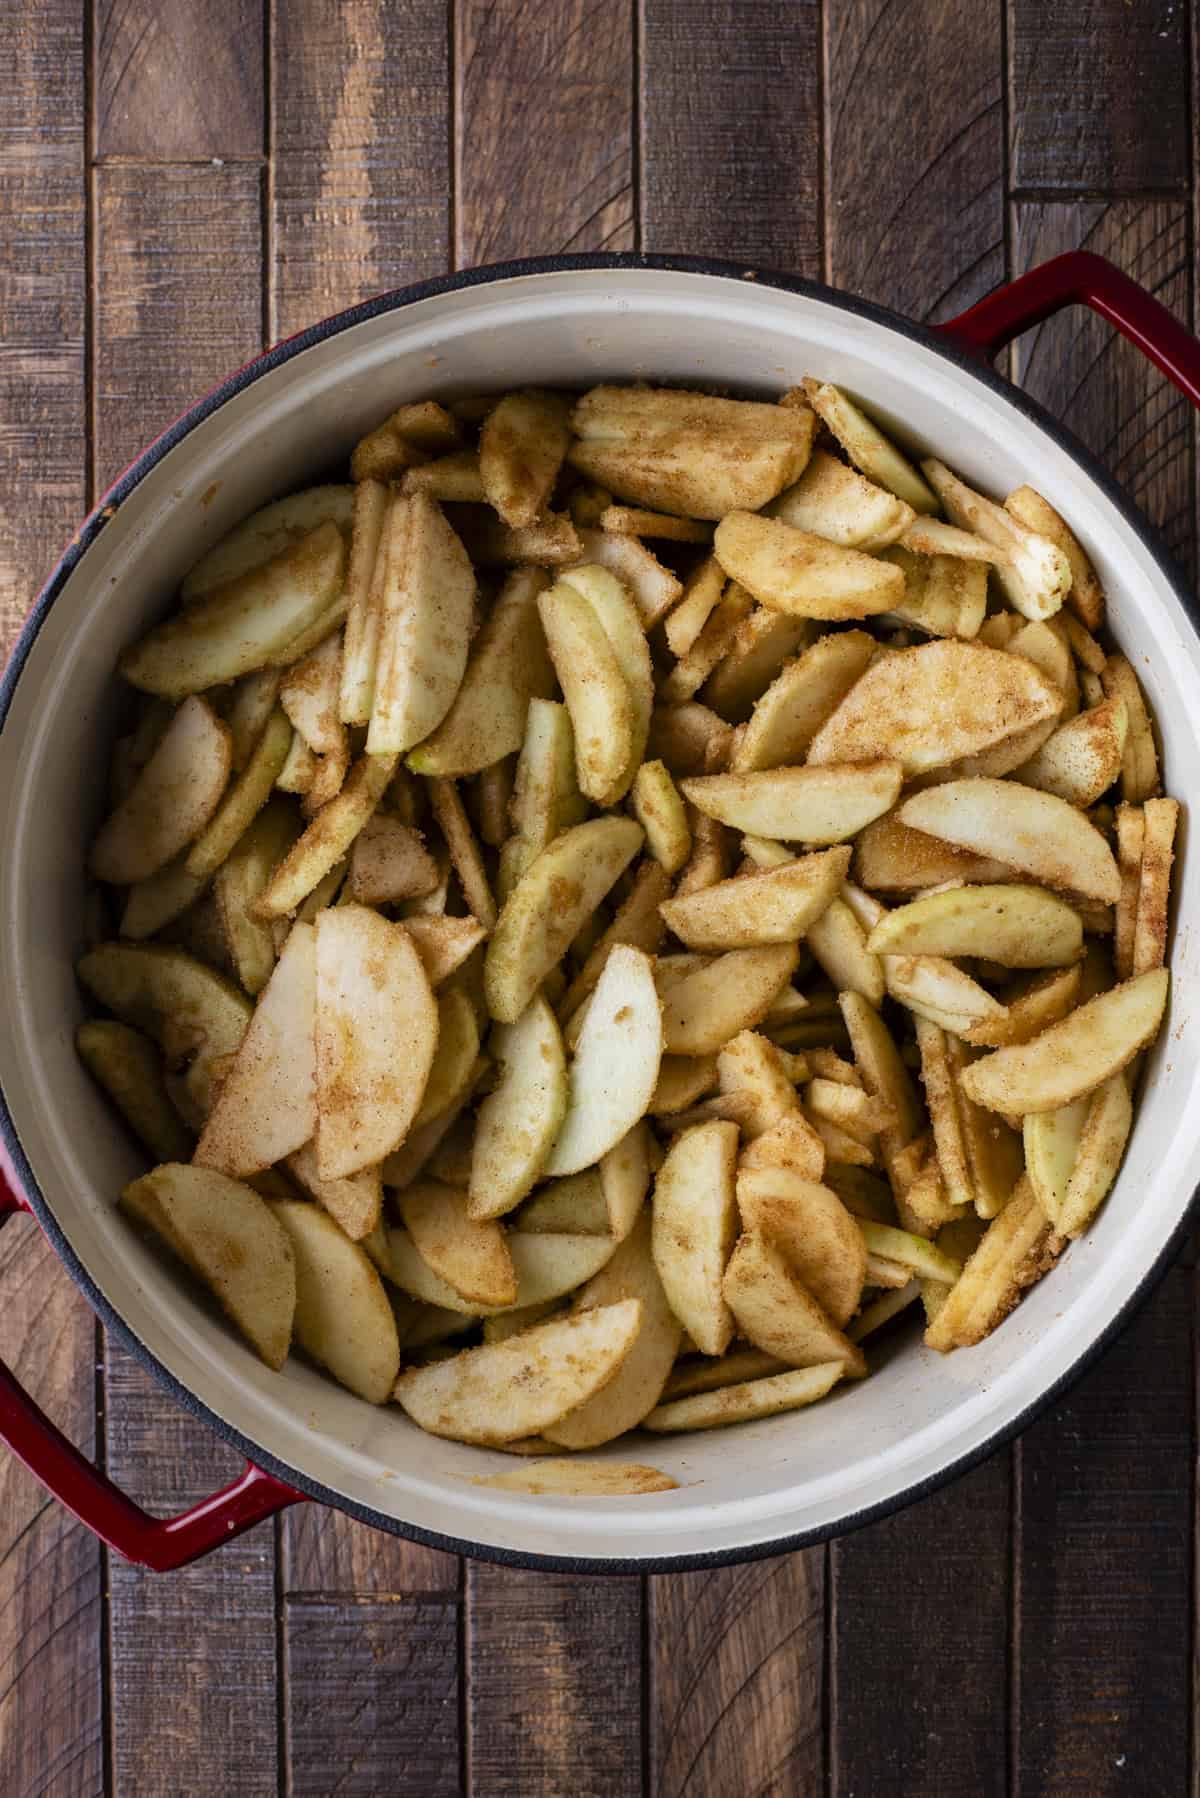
point(288, 416)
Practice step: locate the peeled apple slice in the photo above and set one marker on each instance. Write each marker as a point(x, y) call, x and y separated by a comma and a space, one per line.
point(615, 1070)
point(518, 1123)
point(171, 800)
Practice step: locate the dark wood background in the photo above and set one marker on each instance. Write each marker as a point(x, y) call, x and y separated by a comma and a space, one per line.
point(184, 180)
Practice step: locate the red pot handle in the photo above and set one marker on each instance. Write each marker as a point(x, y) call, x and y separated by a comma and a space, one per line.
point(1085, 279)
point(160, 1543)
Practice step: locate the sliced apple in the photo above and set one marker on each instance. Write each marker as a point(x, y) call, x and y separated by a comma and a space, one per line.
point(800, 805)
point(742, 1402)
point(457, 1052)
point(611, 602)
point(522, 445)
point(1034, 832)
point(229, 1238)
point(777, 1314)
point(712, 1002)
point(428, 604)
point(572, 1206)
point(797, 572)
point(518, 1123)
point(444, 943)
point(778, 905)
point(507, 1390)
point(355, 1203)
point(814, 1232)
point(841, 505)
point(1086, 596)
point(798, 702)
point(266, 534)
point(1018, 926)
point(866, 445)
point(129, 1068)
point(1073, 1057)
point(652, 587)
point(376, 1034)
point(343, 1318)
point(469, 1254)
point(1051, 1142)
point(548, 906)
point(171, 800)
point(570, 1478)
point(625, 1173)
point(599, 701)
point(243, 624)
point(266, 1106)
point(694, 1227)
point(1102, 1140)
point(930, 706)
point(615, 1068)
point(328, 837)
point(891, 857)
point(1035, 574)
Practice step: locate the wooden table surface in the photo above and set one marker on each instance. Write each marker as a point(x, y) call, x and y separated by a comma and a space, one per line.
point(184, 180)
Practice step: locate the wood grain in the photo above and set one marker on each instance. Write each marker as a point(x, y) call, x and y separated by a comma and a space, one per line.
point(915, 215)
point(731, 131)
point(326, 1552)
point(919, 1674)
point(1099, 96)
point(360, 153)
point(554, 1684)
point(51, 1625)
point(373, 1701)
point(1096, 383)
point(174, 80)
point(178, 302)
point(737, 1656)
point(191, 1654)
point(544, 137)
point(1104, 1557)
point(51, 1695)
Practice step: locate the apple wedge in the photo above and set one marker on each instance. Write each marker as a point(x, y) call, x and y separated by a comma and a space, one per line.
point(518, 1123)
point(545, 911)
point(1051, 1143)
point(444, 943)
point(243, 624)
point(507, 1390)
point(662, 814)
point(777, 1314)
point(1086, 595)
point(615, 1068)
point(389, 862)
point(171, 800)
point(1082, 758)
point(1106, 1126)
point(625, 1173)
point(266, 534)
point(1018, 1248)
point(1038, 834)
point(1018, 926)
point(944, 595)
point(841, 505)
point(355, 1203)
point(452, 1072)
point(800, 805)
point(812, 1229)
point(1073, 1057)
point(763, 644)
point(713, 1001)
point(243, 800)
point(701, 594)
point(455, 477)
point(468, 1253)
point(695, 1224)
point(376, 1034)
point(193, 1013)
point(343, 1318)
point(522, 445)
point(327, 838)
point(601, 706)
point(266, 1106)
point(637, 1385)
point(652, 587)
point(129, 1068)
point(930, 706)
point(1028, 1008)
point(572, 1206)
point(867, 447)
point(229, 1238)
point(427, 611)
point(370, 545)
point(610, 601)
point(800, 573)
point(688, 454)
point(777, 905)
point(508, 667)
point(891, 857)
point(798, 702)
point(1035, 574)
point(740, 1403)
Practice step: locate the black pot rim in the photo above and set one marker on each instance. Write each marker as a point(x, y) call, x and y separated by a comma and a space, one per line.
point(86, 535)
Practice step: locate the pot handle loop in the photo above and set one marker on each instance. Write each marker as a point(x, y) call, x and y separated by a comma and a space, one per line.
point(160, 1543)
point(1080, 278)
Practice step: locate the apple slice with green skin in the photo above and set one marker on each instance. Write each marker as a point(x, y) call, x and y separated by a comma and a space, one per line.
point(171, 800)
point(428, 601)
point(507, 1390)
point(549, 905)
point(612, 1078)
point(266, 1106)
point(376, 1035)
point(508, 667)
point(518, 1123)
point(244, 624)
point(230, 1239)
point(343, 1318)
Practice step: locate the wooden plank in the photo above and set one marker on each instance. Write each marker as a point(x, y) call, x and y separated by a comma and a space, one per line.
point(554, 1666)
point(51, 1693)
point(1104, 1556)
point(737, 1655)
point(731, 144)
point(373, 1699)
point(178, 303)
point(916, 215)
point(325, 1552)
point(1099, 100)
point(51, 1623)
point(919, 1675)
point(359, 138)
point(174, 80)
point(1094, 381)
point(544, 140)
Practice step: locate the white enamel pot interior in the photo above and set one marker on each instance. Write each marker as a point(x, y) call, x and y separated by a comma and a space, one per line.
point(873, 1444)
